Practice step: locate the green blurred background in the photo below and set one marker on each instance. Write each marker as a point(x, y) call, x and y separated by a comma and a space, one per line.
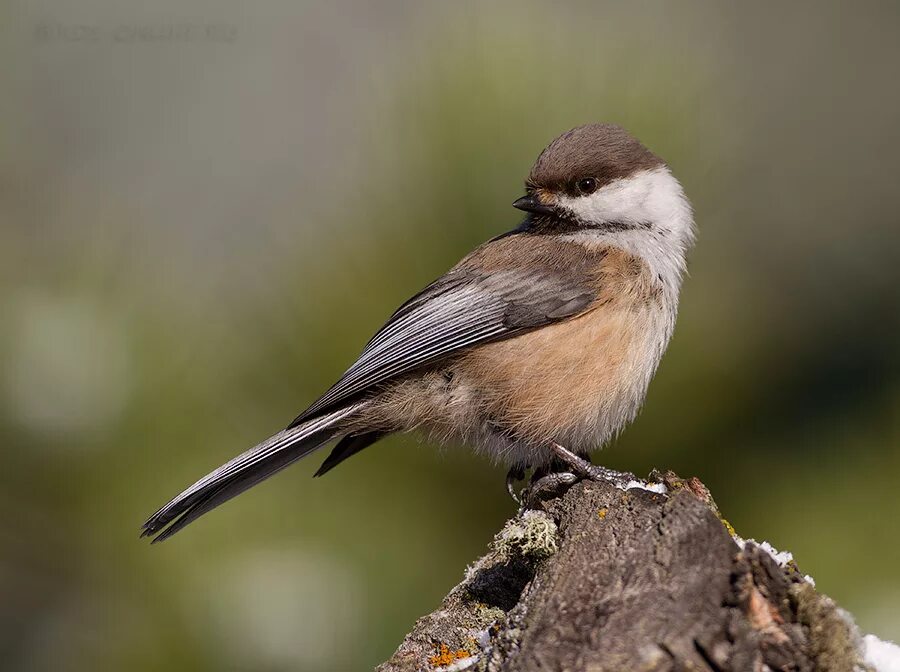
point(208, 207)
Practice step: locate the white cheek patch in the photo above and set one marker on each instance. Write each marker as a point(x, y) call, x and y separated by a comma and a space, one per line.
point(620, 201)
point(648, 197)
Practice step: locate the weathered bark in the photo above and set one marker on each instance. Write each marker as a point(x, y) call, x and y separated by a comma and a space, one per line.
point(606, 579)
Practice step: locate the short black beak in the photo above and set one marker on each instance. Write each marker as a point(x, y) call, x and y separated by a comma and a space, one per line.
point(532, 204)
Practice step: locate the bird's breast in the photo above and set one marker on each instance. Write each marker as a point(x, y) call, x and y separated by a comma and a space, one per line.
point(578, 381)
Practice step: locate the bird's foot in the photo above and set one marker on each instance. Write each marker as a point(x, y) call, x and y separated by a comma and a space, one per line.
point(585, 469)
point(552, 483)
point(566, 469)
point(542, 483)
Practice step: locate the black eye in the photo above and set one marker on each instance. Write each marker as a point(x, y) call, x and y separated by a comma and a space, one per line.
point(586, 185)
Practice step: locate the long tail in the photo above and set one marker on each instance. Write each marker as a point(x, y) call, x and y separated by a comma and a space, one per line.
point(243, 472)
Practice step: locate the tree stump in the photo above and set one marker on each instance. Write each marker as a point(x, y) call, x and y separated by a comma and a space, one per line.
point(649, 578)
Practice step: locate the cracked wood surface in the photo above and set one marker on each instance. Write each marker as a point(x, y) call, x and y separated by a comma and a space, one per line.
point(601, 579)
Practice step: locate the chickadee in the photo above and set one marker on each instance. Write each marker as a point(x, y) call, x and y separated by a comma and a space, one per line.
point(535, 349)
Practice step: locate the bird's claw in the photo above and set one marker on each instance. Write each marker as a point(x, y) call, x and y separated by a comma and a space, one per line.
point(514, 475)
point(549, 483)
point(593, 472)
point(553, 482)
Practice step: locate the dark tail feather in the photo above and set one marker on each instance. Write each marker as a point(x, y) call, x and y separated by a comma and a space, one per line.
point(243, 472)
point(349, 446)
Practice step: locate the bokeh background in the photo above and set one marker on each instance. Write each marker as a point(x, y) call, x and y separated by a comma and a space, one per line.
point(208, 207)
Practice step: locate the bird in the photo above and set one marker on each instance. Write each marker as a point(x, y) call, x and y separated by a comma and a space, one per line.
point(535, 349)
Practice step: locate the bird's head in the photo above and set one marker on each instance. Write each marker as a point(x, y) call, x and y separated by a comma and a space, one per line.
point(598, 183)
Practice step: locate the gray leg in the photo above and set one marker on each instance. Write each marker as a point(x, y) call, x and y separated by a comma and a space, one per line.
point(587, 470)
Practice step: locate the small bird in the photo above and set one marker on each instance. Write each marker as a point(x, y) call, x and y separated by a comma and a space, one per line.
point(535, 349)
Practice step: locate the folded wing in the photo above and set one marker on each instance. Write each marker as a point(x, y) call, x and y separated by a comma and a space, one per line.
point(465, 307)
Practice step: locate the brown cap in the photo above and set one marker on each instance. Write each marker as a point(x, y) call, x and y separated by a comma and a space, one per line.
point(605, 152)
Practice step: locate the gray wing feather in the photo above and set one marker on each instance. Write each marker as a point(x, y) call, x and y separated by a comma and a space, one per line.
point(459, 310)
